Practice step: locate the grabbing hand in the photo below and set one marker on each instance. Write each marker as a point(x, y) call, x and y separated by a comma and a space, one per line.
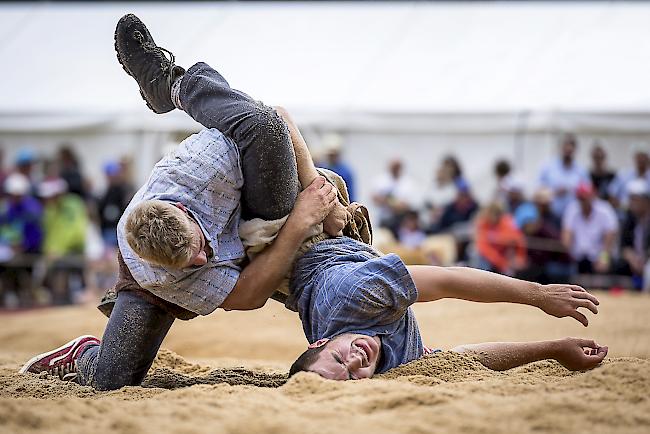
point(336, 220)
point(578, 354)
point(313, 204)
point(564, 300)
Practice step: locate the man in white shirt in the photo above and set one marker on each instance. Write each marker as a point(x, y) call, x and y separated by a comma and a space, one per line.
point(589, 228)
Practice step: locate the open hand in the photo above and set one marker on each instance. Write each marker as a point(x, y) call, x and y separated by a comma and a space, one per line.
point(564, 300)
point(578, 354)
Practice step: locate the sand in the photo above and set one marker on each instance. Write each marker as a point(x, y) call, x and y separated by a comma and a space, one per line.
point(227, 374)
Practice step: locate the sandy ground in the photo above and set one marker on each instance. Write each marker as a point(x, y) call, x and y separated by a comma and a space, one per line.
point(208, 381)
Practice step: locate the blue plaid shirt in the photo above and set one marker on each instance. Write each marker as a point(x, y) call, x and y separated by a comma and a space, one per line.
point(345, 286)
point(204, 174)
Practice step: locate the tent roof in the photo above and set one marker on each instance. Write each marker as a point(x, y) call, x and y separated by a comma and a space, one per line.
point(337, 57)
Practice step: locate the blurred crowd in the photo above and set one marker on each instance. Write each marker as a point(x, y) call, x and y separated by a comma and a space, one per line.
point(57, 234)
point(583, 223)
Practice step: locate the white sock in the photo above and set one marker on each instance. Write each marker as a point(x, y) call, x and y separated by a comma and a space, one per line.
point(176, 93)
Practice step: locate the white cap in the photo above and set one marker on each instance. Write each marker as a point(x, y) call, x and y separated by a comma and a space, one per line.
point(332, 142)
point(52, 187)
point(513, 183)
point(638, 187)
point(17, 184)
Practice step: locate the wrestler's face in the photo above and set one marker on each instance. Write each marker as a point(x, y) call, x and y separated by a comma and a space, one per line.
point(347, 357)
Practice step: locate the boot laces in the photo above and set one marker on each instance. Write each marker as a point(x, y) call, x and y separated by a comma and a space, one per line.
point(67, 371)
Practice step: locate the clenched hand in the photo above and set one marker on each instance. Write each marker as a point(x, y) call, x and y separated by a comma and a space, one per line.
point(314, 204)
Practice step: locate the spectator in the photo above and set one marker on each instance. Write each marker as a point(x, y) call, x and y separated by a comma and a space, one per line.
point(24, 163)
point(502, 172)
point(334, 162)
point(461, 210)
point(70, 171)
point(619, 187)
point(500, 244)
point(394, 194)
point(563, 174)
point(600, 174)
point(20, 235)
point(635, 233)
point(113, 202)
point(65, 222)
point(64, 219)
point(410, 234)
point(20, 218)
point(547, 257)
point(589, 229)
point(3, 172)
point(522, 211)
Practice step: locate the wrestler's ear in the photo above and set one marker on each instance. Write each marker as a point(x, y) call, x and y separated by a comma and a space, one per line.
point(180, 206)
point(318, 343)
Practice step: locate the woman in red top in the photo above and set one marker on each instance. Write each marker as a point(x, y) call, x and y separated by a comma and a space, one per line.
point(500, 244)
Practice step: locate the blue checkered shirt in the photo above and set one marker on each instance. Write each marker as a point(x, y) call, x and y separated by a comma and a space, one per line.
point(204, 174)
point(345, 286)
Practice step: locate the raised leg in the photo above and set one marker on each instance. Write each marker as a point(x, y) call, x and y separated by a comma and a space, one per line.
point(132, 338)
point(271, 183)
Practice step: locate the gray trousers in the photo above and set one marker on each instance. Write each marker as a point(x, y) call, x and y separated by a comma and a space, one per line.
point(136, 328)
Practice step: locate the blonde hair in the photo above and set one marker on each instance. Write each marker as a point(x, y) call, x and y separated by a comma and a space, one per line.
point(160, 233)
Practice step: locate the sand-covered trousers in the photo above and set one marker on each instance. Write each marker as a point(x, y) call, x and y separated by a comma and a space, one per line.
point(271, 184)
point(136, 327)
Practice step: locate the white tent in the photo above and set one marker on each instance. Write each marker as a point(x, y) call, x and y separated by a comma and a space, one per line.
point(495, 78)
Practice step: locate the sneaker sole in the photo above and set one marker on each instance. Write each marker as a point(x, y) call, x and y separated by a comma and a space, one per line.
point(34, 359)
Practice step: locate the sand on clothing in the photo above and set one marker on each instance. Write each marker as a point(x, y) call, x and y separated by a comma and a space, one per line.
point(226, 374)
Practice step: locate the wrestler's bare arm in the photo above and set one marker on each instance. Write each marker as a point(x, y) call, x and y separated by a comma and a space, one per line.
point(336, 220)
point(263, 275)
point(434, 283)
point(573, 353)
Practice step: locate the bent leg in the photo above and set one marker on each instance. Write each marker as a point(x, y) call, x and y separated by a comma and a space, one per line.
point(271, 184)
point(134, 333)
point(573, 353)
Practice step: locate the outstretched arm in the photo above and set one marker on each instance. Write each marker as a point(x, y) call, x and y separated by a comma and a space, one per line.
point(574, 354)
point(434, 283)
point(336, 220)
point(263, 275)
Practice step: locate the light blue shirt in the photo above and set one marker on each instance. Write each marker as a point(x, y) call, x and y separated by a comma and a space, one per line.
point(618, 187)
point(204, 174)
point(556, 176)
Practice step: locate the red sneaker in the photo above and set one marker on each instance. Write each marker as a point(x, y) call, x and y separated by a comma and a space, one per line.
point(61, 362)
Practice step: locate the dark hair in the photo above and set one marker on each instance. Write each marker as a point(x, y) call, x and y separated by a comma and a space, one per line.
point(502, 168)
point(455, 166)
point(305, 360)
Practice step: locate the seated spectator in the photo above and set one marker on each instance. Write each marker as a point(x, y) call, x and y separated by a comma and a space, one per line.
point(394, 195)
point(65, 222)
point(547, 258)
point(563, 174)
point(24, 164)
point(635, 234)
point(589, 228)
point(113, 202)
point(20, 217)
point(461, 210)
point(618, 189)
point(500, 244)
point(335, 163)
point(410, 234)
point(601, 176)
point(522, 211)
point(20, 236)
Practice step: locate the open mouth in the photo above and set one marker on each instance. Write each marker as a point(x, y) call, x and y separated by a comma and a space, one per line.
point(365, 350)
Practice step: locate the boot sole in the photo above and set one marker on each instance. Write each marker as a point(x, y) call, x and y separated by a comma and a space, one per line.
point(122, 63)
